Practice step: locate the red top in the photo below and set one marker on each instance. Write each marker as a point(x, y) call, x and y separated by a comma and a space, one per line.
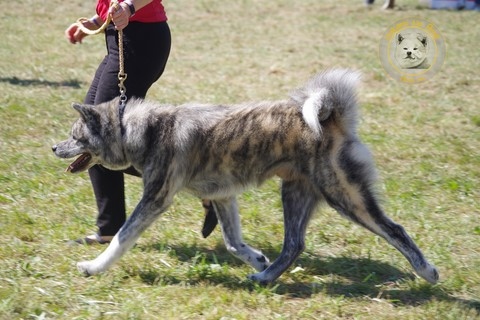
point(152, 12)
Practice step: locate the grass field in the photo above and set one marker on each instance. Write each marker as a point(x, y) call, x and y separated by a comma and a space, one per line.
point(425, 139)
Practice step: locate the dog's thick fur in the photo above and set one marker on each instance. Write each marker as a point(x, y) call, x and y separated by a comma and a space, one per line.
point(217, 151)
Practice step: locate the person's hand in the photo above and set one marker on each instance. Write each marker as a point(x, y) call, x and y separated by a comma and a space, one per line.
point(75, 35)
point(120, 14)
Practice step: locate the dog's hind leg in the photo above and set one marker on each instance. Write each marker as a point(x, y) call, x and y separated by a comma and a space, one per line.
point(346, 185)
point(227, 213)
point(299, 202)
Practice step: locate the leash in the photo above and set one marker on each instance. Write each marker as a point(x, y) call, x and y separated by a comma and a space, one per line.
point(102, 28)
point(122, 76)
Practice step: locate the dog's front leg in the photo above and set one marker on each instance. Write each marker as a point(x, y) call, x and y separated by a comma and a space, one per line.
point(108, 257)
point(143, 215)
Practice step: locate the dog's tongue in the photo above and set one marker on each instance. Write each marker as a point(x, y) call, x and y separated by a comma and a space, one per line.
point(80, 163)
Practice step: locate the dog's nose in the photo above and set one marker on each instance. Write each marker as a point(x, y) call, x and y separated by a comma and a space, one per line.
point(409, 53)
point(54, 148)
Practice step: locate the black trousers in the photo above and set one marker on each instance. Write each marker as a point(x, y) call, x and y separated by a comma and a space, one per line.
point(146, 51)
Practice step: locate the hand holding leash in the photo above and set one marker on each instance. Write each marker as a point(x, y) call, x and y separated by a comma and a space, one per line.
point(120, 13)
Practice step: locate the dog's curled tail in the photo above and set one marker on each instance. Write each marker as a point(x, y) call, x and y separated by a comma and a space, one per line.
point(332, 92)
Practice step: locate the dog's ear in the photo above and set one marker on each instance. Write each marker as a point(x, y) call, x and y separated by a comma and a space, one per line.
point(89, 115)
point(400, 38)
point(422, 38)
point(79, 107)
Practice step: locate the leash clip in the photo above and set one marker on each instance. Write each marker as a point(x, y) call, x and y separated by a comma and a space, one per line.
point(123, 91)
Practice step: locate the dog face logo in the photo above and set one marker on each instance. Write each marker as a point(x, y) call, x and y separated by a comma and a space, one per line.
point(411, 51)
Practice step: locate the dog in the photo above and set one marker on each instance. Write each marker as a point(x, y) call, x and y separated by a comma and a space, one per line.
point(411, 51)
point(217, 151)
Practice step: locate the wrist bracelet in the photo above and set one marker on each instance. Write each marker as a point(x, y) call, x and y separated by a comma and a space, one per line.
point(95, 22)
point(131, 7)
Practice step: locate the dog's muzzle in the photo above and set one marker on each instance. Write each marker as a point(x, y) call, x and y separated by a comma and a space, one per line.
point(80, 164)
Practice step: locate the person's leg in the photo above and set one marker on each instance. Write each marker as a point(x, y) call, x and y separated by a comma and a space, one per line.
point(108, 186)
point(144, 64)
point(147, 48)
point(92, 90)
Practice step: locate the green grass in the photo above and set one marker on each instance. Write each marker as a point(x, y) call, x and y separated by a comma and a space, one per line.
point(425, 138)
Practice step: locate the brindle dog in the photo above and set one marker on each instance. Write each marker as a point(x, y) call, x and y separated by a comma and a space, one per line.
point(218, 151)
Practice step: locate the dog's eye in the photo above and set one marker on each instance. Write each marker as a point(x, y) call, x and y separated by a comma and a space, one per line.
point(79, 139)
point(415, 48)
point(405, 48)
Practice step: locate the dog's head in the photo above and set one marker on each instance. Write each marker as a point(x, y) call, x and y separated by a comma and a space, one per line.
point(411, 49)
point(94, 139)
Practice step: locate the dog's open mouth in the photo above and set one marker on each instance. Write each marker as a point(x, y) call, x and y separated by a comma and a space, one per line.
point(80, 164)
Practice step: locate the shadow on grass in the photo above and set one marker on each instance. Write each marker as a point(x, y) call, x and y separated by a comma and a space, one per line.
point(335, 276)
point(40, 82)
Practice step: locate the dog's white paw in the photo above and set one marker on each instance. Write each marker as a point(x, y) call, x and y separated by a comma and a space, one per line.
point(429, 273)
point(87, 268)
point(260, 277)
point(261, 262)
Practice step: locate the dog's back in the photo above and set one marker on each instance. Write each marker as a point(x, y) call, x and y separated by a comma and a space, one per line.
point(246, 144)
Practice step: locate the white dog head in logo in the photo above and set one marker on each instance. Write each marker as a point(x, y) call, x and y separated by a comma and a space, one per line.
point(411, 51)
